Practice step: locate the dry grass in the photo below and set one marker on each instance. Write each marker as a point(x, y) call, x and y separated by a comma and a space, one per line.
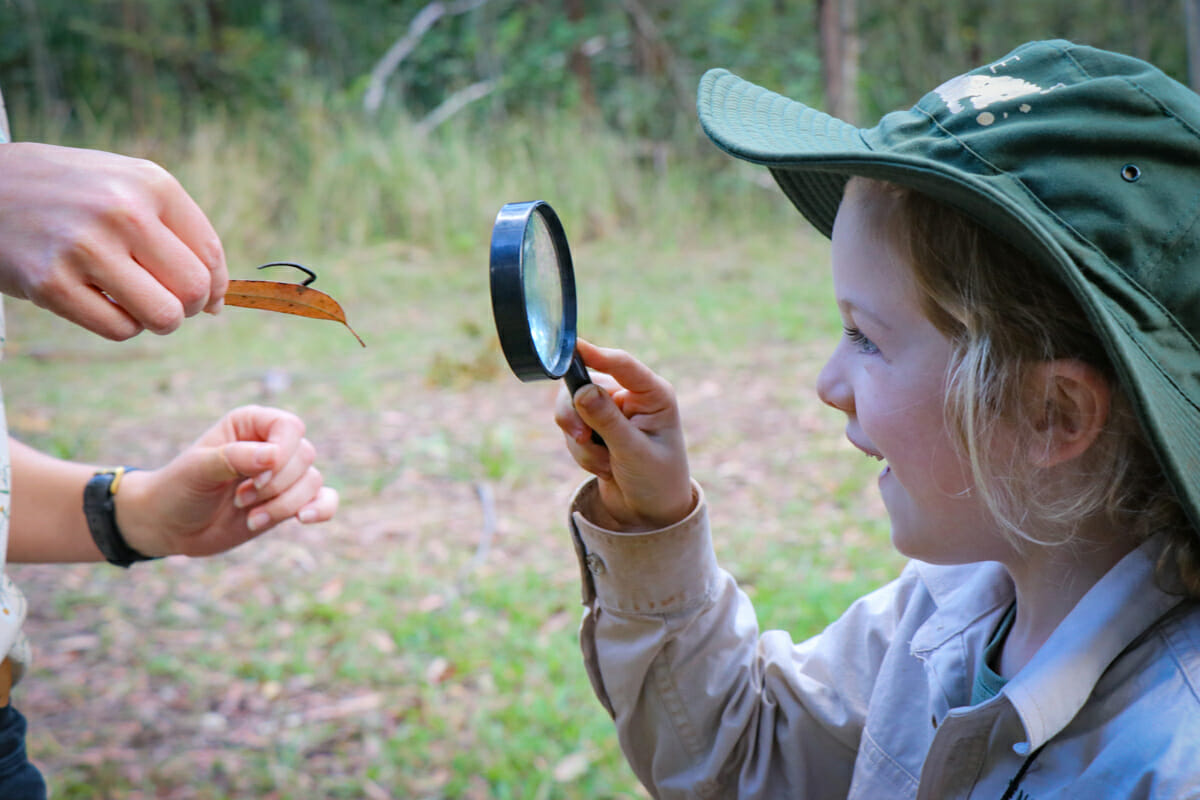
point(411, 649)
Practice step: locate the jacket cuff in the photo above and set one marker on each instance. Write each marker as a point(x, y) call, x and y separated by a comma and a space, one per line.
point(657, 572)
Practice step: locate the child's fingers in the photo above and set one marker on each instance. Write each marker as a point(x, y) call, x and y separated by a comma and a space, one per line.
point(590, 456)
point(623, 367)
point(599, 412)
point(565, 416)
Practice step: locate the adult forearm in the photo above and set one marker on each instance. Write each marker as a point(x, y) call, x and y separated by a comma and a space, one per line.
point(47, 522)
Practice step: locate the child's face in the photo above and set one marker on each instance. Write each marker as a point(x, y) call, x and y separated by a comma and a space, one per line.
point(888, 375)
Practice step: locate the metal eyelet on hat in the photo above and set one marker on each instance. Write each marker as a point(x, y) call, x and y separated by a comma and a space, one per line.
point(1131, 172)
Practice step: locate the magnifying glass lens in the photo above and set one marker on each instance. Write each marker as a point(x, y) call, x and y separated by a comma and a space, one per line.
point(533, 295)
point(542, 282)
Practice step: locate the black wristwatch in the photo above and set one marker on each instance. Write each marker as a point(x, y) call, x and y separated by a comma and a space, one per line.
point(100, 511)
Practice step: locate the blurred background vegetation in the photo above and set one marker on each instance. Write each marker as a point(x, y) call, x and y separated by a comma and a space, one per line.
point(292, 81)
point(160, 65)
point(422, 645)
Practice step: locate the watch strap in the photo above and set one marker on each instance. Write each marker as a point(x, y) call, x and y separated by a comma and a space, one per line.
point(99, 508)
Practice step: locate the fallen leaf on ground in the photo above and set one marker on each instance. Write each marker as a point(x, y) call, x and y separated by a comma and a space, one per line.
point(287, 298)
point(572, 767)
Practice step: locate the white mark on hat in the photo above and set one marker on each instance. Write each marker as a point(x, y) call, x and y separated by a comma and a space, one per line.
point(1004, 63)
point(984, 90)
point(986, 118)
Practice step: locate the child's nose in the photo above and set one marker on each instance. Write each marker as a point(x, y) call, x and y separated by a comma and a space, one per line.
point(832, 387)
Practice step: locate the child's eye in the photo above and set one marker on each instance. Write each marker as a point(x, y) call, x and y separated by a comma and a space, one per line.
point(860, 341)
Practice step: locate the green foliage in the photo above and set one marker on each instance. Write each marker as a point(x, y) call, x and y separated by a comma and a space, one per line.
point(155, 66)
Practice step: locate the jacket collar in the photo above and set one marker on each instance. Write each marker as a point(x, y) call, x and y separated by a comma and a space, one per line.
point(1057, 681)
point(1053, 687)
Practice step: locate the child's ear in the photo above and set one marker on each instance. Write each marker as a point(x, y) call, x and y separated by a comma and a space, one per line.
point(1068, 403)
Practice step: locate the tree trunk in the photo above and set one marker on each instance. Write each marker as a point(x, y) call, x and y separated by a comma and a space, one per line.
point(579, 62)
point(652, 54)
point(45, 77)
point(1191, 19)
point(837, 25)
point(1136, 23)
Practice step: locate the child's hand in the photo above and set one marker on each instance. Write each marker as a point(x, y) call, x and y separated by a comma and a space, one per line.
point(113, 244)
point(249, 472)
point(643, 471)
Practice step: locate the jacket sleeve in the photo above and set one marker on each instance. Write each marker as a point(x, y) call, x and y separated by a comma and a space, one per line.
point(704, 706)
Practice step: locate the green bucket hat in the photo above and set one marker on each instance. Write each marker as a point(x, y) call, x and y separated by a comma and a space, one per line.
point(1087, 160)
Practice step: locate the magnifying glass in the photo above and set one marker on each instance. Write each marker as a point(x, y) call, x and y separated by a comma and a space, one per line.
point(533, 295)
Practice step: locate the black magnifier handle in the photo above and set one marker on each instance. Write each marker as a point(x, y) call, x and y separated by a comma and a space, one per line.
point(576, 377)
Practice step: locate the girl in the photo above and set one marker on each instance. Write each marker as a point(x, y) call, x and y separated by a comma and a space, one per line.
point(1012, 260)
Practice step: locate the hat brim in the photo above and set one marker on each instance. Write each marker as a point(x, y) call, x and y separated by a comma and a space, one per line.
point(812, 155)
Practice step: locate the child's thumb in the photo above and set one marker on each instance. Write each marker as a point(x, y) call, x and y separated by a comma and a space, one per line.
point(597, 409)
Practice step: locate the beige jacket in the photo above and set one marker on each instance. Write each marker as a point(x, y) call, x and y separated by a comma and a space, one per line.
point(876, 706)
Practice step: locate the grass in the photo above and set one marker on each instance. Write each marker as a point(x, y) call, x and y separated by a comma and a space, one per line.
point(408, 649)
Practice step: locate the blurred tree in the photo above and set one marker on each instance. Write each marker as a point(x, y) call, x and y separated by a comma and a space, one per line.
point(1191, 16)
point(837, 20)
point(154, 64)
point(581, 66)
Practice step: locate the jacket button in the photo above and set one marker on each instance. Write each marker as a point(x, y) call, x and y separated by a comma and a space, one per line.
point(596, 564)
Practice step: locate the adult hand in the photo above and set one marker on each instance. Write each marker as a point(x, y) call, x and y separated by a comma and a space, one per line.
point(643, 471)
point(113, 244)
point(249, 472)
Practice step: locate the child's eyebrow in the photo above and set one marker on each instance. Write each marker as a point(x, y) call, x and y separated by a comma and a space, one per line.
point(852, 309)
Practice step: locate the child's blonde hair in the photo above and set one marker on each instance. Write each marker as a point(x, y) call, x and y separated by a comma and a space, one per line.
point(1004, 314)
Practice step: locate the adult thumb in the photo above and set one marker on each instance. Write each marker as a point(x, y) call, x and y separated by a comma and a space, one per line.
point(236, 460)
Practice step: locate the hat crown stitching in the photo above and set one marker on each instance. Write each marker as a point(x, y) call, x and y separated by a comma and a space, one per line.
point(987, 90)
point(1186, 222)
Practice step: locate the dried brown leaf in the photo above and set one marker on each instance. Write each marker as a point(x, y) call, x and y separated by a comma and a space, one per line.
point(287, 298)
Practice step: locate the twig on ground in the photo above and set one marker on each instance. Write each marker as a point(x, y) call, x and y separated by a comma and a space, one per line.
point(487, 503)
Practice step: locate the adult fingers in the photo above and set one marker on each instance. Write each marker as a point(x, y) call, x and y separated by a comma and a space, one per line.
point(253, 423)
point(174, 266)
point(137, 292)
point(90, 308)
point(271, 482)
point(235, 460)
point(300, 495)
point(322, 508)
point(184, 250)
point(125, 244)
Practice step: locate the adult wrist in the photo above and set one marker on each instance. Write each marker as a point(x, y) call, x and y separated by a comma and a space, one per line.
point(99, 508)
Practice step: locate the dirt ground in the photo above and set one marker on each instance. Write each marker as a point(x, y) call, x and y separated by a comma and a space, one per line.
point(130, 677)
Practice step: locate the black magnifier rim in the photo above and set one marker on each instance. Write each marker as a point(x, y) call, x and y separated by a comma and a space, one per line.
point(508, 291)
